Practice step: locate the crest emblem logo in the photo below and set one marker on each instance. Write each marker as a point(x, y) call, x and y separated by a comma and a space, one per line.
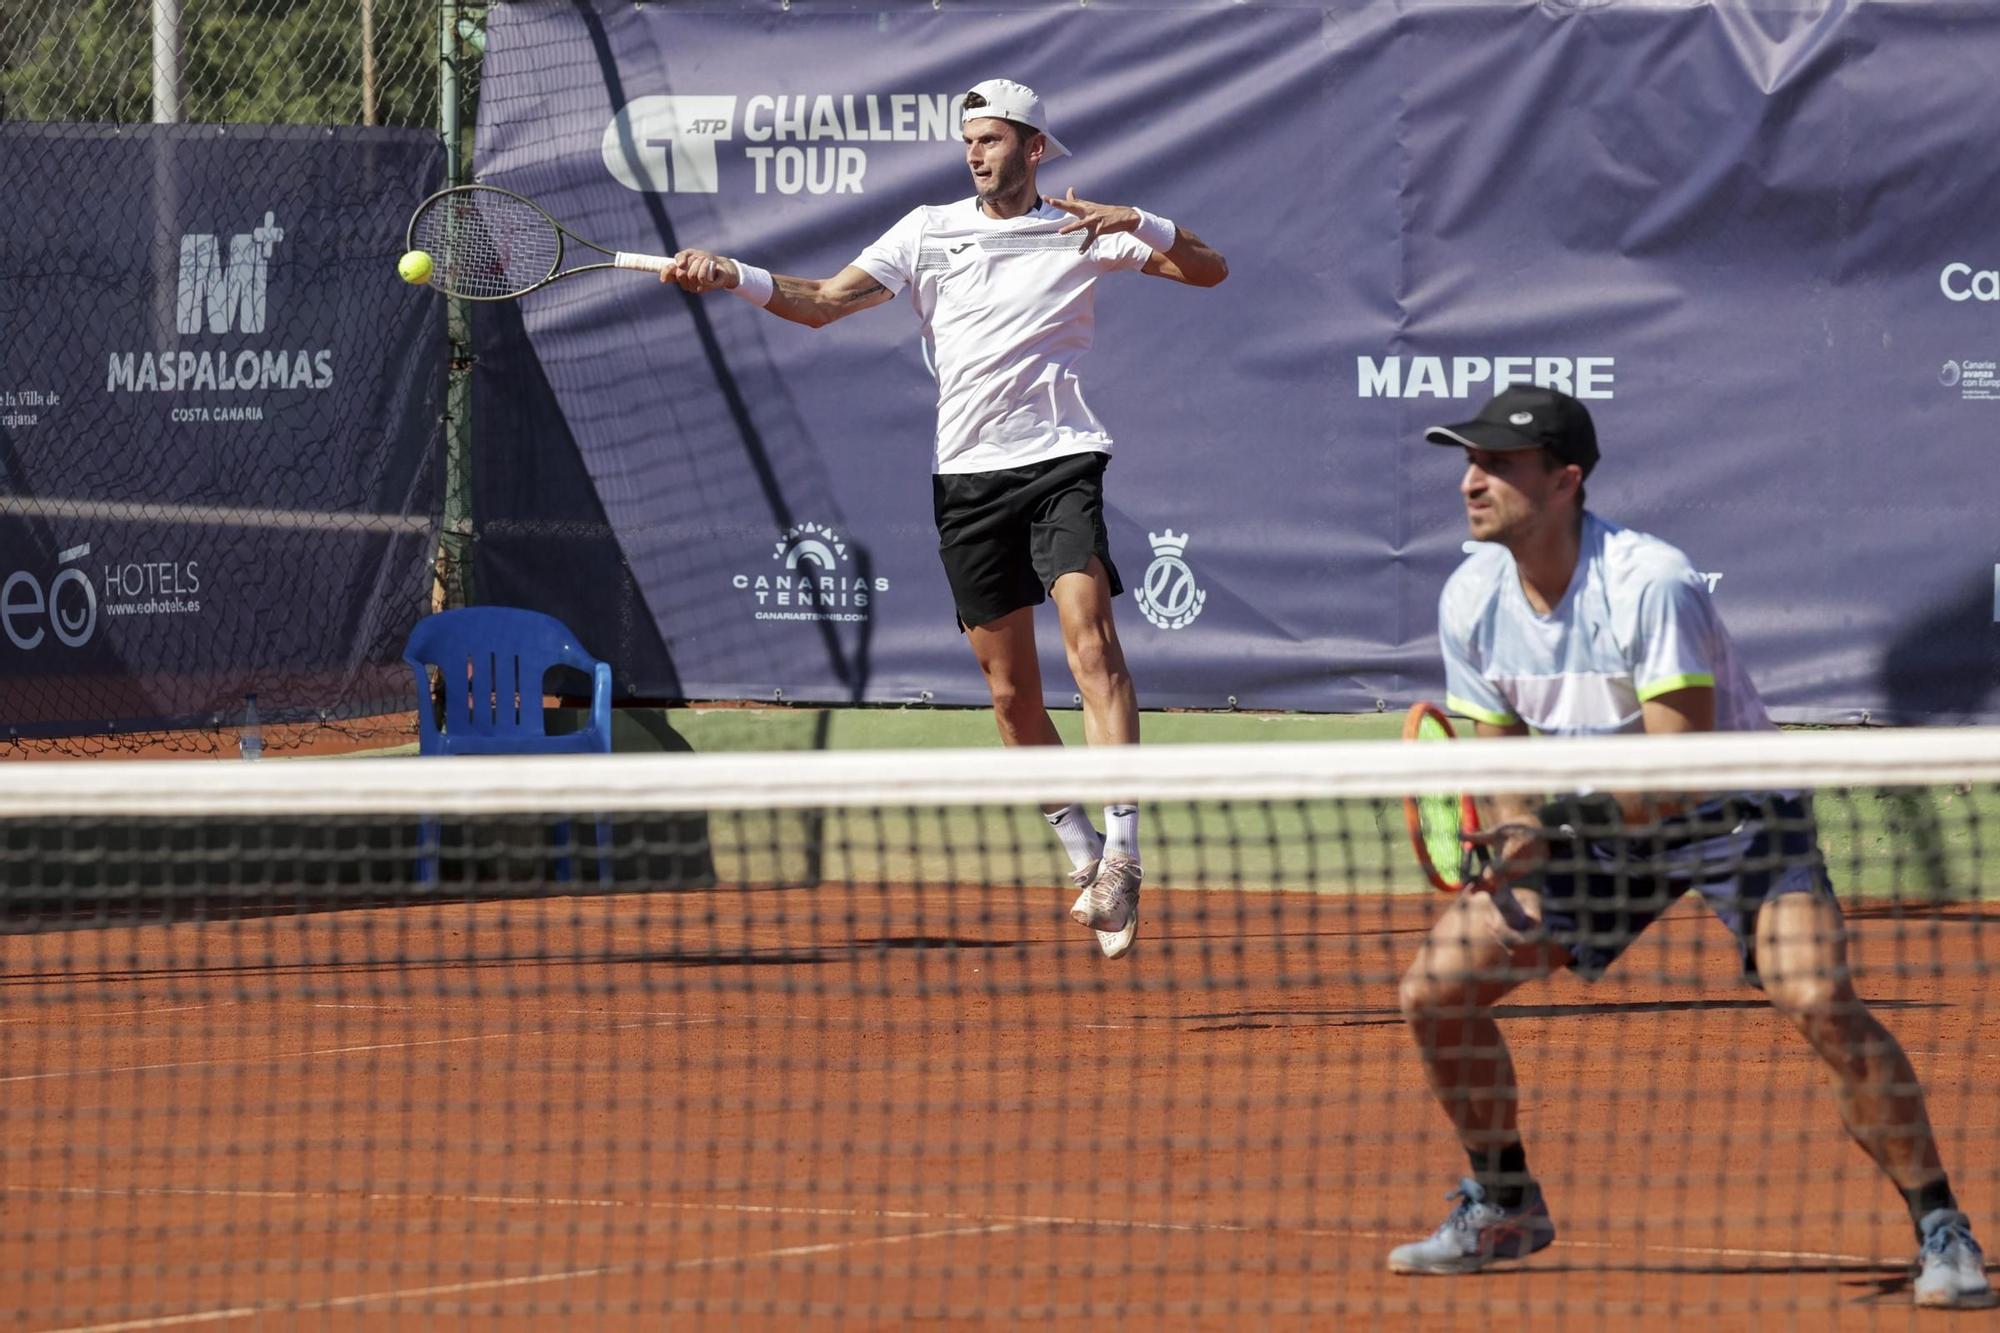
point(1168, 595)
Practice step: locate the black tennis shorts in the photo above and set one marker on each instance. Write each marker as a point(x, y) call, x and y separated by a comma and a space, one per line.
point(1600, 897)
point(1007, 536)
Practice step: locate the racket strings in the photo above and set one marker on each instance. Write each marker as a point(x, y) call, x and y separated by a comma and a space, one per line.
point(1439, 822)
point(486, 244)
point(1443, 834)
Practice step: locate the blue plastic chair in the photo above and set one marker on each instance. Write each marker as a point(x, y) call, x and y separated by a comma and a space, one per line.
point(494, 661)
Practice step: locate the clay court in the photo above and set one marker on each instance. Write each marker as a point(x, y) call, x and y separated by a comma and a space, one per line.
point(936, 1107)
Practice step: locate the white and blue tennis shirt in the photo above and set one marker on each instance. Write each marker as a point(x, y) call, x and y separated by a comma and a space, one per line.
point(1636, 623)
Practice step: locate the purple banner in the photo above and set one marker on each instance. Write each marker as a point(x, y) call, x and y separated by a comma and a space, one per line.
point(1747, 236)
point(219, 424)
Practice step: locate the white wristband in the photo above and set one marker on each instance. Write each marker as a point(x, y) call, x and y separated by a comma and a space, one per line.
point(1158, 233)
point(753, 284)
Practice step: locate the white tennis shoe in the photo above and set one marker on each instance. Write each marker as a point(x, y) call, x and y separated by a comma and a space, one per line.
point(1083, 878)
point(1114, 943)
point(1113, 898)
point(1118, 943)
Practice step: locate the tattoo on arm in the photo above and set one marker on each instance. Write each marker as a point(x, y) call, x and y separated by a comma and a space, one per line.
point(811, 302)
point(859, 294)
point(811, 291)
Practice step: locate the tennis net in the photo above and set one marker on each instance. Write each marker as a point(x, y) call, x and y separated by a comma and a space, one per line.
point(751, 1041)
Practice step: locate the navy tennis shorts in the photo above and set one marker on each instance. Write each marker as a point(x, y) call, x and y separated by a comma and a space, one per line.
point(1738, 853)
point(1006, 536)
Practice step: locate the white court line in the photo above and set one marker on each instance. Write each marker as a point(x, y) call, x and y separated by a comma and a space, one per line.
point(106, 1013)
point(999, 1222)
point(253, 1059)
point(306, 1054)
point(420, 1014)
point(169, 1321)
point(495, 1284)
point(673, 1020)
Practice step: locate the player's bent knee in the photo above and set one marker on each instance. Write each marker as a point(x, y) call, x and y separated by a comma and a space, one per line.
point(1427, 995)
point(1810, 999)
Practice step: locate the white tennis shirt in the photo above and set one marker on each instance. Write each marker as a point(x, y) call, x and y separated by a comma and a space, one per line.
point(1008, 309)
point(1636, 622)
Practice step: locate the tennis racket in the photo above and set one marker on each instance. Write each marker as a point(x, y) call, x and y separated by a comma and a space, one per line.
point(490, 244)
point(1439, 823)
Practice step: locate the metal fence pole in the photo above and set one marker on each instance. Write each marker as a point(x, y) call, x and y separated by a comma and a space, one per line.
point(367, 62)
point(169, 89)
point(167, 79)
point(456, 538)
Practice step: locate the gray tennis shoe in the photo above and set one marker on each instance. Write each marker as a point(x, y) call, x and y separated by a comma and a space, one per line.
point(1478, 1232)
point(1951, 1270)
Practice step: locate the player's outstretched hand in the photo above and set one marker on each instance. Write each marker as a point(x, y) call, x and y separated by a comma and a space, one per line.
point(701, 271)
point(1091, 219)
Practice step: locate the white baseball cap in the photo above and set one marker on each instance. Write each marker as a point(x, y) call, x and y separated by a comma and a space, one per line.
point(1008, 100)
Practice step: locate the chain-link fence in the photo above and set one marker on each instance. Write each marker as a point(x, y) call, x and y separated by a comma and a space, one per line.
point(269, 62)
point(297, 455)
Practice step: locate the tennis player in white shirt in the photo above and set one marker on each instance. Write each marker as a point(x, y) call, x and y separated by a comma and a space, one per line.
point(1004, 286)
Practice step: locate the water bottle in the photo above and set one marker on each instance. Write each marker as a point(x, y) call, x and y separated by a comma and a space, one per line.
point(250, 736)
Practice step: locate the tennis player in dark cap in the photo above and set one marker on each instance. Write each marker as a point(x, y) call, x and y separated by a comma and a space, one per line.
point(1566, 624)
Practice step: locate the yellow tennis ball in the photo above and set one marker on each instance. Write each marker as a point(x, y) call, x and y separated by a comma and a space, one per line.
point(415, 266)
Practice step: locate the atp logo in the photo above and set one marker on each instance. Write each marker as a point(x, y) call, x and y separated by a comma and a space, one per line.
point(788, 143)
point(218, 298)
point(667, 144)
point(1168, 595)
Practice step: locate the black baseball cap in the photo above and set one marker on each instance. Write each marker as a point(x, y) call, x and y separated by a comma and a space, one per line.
point(1527, 416)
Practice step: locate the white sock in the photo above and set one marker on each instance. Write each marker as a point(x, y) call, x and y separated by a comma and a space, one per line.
point(1083, 843)
point(1121, 830)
